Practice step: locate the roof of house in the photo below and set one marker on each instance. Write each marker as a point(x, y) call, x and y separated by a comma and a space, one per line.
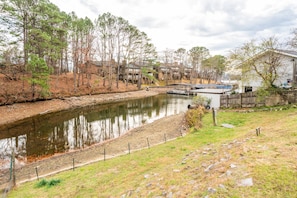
point(291, 53)
point(284, 52)
point(210, 91)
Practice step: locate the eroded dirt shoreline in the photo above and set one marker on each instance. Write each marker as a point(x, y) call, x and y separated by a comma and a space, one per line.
point(20, 111)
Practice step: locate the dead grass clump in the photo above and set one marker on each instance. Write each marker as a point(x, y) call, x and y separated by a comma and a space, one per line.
point(194, 117)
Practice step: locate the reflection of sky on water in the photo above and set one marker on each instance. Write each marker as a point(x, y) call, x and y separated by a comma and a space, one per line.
point(8, 144)
point(80, 128)
point(107, 128)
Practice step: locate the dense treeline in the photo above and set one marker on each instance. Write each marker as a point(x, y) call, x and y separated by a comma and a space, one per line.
point(37, 39)
point(40, 28)
point(64, 41)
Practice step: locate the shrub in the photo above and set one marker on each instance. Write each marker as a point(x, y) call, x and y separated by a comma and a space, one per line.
point(53, 182)
point(49, 183)
point(201, 100)
point(41, 183)
point(194, 117)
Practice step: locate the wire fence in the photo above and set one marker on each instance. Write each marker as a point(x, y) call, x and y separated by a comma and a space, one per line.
point(74, 159)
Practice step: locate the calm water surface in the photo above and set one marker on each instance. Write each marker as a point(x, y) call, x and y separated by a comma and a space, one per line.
point(79, 128)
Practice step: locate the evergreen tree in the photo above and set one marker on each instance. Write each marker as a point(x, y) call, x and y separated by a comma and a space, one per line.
point(39, 75)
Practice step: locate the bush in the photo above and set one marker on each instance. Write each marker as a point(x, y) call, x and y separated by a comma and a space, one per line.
point(49, 183)
point(41, 183)
point(201, 100)
point(53, 182)
point(194, 117)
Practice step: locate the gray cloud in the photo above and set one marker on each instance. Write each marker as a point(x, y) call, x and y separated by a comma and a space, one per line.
point(91, 6)
point(232, 7)
point(151, 22)
point(215, 24)
point(281, 18)
point(237, 21)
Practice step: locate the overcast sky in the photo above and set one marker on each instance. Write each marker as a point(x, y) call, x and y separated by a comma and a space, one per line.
point(218, 25)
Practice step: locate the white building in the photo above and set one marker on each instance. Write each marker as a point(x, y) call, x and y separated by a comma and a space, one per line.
point(285, 71)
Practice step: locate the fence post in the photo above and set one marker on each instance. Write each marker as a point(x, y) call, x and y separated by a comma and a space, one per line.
point(12, 169)
point(148, 142)
point(36, 170)
point(258, 131)
point(104, 153)
point(214, 117)
point(129, 147)
point(240, 95)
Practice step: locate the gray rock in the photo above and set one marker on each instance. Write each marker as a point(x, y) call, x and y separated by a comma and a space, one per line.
point(184, 162)
point(230, 126)
point(246, 182)
point(222, 186)
point(204, 165)
point(146, 176)
point(232, 166)
point(209, 168)
point(170, 195)
point(211, 190)
point(228, 173)
point(207, 149)
point(192, 182)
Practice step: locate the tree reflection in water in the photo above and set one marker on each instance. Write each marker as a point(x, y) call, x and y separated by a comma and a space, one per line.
point(48, 134)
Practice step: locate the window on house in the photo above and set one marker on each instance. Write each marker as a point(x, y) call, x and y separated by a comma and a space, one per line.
point(248, 89)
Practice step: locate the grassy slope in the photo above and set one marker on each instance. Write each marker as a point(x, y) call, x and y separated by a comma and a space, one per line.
point(199, 164)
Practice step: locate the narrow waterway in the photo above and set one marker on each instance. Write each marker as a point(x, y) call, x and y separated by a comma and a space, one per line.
point(45, 135)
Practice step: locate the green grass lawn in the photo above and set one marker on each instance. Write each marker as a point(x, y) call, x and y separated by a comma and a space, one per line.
point(177, 167)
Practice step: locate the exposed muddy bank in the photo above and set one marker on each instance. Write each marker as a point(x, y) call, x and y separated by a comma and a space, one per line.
point(20, 111)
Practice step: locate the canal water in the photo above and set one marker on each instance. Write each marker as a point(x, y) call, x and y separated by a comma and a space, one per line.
point(45, 135)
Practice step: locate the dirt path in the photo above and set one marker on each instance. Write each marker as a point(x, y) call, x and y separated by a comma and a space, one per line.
point(142, 137)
